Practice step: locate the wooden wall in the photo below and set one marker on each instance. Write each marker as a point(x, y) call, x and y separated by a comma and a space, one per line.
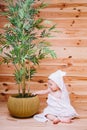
point(70, 44)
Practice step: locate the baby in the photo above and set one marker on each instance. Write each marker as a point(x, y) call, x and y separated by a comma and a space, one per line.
point(58, 107)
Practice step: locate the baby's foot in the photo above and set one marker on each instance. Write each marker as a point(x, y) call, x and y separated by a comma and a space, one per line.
point(66, 120)
point(56, 121)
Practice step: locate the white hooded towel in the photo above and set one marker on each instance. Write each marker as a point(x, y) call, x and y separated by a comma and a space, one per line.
point(60, 107)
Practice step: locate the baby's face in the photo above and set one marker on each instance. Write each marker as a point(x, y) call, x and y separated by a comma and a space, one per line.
point(52, 85)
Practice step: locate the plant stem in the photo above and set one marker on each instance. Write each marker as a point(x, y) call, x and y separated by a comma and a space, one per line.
point(23, 86)
point(19, 89)
point(23, 81)
point(29, 78)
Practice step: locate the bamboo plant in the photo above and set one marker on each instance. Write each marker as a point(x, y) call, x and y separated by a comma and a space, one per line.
point(23, 42)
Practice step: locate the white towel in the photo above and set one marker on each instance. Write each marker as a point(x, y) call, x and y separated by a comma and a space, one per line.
point(40, 117)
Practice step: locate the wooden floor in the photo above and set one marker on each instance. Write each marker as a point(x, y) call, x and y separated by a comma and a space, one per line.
point(9, 123)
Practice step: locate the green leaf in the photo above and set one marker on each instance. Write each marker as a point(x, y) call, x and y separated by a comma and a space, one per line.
point(21, 13)
point(1, 50)
point(49, 51)
point(53, 27)
point(43, 5)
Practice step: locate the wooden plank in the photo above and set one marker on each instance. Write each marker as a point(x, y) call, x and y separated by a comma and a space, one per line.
point(6, 69)
point(62, 13)
point(44, 68)
point(64, 61)
point(68, 42)
point(74, 52)
point(65, 1)
point(57, 61)
point(61, 23)
point(80, 35)
point(67, 79)
point(47, 65)
point(5, 78)
point(66, 23)
point(66, 5)
point(71, 70)
point(77, 87)
point(43, 77)
point(66, 33)
point(69, 33)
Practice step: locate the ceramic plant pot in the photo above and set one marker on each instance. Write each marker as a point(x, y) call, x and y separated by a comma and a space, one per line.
point(23, 107)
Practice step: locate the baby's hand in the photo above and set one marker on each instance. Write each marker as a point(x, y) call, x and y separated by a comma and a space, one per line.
point(34, 93)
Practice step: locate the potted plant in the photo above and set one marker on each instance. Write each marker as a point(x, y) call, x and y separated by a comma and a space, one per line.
point(23, 44)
